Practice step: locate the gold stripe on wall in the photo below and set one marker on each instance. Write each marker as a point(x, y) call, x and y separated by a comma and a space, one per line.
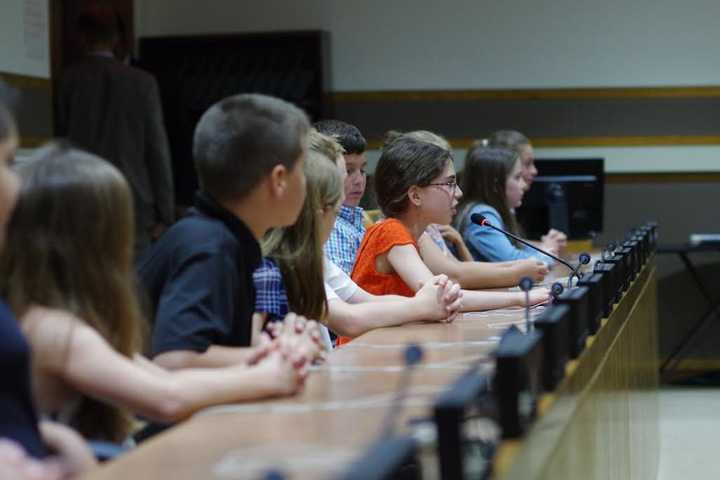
point(674, 177)
point(33, 142)
point(523, 94)
point(629, 141)
point(655, 140)
point(24, 81)
point(698, 365)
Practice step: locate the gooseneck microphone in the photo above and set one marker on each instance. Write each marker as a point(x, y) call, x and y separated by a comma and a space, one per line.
point(583, 259)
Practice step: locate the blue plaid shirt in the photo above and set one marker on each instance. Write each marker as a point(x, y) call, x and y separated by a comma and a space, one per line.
point(345, 238)
point(270, 294)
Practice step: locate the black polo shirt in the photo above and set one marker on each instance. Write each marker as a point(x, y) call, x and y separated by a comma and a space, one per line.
point(198, 280)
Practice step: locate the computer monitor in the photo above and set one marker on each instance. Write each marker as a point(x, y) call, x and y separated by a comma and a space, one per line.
point(567, 195)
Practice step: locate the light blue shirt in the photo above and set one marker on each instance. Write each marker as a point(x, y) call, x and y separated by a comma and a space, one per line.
point(487, 244)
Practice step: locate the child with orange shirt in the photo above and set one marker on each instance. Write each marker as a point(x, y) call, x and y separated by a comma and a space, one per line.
point(416, 185)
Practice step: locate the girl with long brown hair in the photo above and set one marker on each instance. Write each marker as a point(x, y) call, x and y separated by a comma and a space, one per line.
point(519, 143)
point(493, 185)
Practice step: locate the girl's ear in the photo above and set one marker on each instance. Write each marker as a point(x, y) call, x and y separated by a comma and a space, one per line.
point(415, 196)
point(278, 181)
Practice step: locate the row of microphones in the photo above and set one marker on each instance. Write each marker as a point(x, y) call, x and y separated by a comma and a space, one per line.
point(583, 258)
point(526, 363)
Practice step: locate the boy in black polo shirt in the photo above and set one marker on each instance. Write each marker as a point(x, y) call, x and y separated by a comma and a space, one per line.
point(249, 152)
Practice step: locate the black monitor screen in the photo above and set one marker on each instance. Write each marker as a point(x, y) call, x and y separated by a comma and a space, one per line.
point(567, 195)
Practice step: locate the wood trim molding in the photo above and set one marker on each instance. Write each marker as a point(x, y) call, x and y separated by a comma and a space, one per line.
point(629, 141)
point(33, 142)
point(523, 94)
point(658, 140)
point(668, 177)
point(24, 81)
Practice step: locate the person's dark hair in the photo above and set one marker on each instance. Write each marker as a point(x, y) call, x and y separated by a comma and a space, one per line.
point(8, 100)
point(405, 162)
point(509, 139)
point(483, 181)
point(347, 135)
point(242, 138)
point(98, 24)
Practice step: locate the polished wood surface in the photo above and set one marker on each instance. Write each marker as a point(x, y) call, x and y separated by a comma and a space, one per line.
point(601, 419)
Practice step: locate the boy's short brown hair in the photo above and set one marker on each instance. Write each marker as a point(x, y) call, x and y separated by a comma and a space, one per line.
point(242, 138)
point(346, 134)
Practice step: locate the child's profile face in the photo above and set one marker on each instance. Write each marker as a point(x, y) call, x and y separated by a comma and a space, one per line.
point(356, 179)
point(441, 197)
point(515, 186)
point(9, 182)
point(527, 161)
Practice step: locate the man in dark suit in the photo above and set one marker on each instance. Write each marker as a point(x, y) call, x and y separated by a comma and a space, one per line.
point(114, 111)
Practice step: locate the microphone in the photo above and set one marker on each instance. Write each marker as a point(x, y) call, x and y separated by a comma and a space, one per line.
point(413, 355)
point(609, 251)
point(583, 259)
point(556, 289)
point(526, 285)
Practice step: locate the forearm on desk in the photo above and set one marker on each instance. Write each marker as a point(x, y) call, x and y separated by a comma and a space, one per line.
point(215, 356)
point(470, 275)
point(353, 320)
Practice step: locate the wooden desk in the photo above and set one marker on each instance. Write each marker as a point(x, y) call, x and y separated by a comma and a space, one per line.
point(601, 421)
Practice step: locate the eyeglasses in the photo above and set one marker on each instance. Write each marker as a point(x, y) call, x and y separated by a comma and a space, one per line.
point(452, 185)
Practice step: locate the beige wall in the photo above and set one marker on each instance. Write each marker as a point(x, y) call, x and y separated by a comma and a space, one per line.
point(466, 44)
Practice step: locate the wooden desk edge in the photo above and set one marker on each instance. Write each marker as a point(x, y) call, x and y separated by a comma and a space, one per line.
point(510, 449)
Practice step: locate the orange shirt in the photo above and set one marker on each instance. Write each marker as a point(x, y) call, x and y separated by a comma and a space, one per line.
point(380, 239)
